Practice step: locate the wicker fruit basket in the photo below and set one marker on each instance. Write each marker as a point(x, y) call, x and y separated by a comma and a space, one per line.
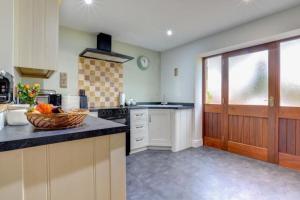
point(57, 120)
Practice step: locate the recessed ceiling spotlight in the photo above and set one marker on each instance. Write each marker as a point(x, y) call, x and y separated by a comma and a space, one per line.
point(169, 32)
point(88, 2)
point(247, 1)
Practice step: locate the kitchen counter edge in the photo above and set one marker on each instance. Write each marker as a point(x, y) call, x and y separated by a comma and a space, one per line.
point(19, 137)
point(183, 107)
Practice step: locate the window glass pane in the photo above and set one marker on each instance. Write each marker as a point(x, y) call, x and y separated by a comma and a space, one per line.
point(213, 80)
point(290, 73)
point(248, 79)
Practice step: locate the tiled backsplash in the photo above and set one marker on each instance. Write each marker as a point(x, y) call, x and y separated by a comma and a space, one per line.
point(102, 82)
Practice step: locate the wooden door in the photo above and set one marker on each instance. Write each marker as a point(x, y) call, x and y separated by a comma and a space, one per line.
point(212, 98)
point(243, 119)
point(250, 110)
point(289, 110)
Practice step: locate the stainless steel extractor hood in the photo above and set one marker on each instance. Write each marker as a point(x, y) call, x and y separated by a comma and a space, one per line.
point(103, 51)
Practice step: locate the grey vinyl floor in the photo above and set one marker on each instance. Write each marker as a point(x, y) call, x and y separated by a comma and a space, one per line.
point(209, 174)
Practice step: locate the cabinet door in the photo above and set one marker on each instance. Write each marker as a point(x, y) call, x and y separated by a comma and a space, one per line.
point(6, 35)
point(159, 128)
point(102, 167)
point(36, 33)
point(35, 173)
point(71, 170)
point(118, 167)
point(11, 186)
point(182, 130)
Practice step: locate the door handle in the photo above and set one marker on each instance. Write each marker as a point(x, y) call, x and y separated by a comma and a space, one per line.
point(271, 101)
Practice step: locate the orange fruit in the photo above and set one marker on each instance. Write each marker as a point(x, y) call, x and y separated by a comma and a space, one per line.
point(44, 108)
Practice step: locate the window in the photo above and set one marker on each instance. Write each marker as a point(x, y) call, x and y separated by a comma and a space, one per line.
point(290, 73)
point(248, 79)
point(213, 80)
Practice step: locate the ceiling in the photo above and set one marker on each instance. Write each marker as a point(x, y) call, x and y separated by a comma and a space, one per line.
point(145, 22)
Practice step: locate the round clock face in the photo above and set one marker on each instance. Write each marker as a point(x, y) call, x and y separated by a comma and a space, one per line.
point(143, 62)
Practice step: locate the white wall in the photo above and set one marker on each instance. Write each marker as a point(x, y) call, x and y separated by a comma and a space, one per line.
point(187, 86)
point(140, 85)
point(6, 35)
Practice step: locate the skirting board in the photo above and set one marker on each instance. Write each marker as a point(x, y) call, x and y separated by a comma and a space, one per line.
point(138, 150)
point(150, 148)
point(159, 148)
point(197, 143)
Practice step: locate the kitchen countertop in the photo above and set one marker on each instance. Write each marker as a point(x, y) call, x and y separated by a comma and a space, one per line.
point(182, 107)
point(149, 106)
point(18, 137)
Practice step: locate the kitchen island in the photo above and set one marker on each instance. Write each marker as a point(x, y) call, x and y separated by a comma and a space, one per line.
point(86, 162)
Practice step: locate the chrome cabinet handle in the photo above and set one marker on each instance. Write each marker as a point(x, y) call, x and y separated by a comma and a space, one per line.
point(139, 127)
point(150, 119)
point(139, 115)
point(138, 139)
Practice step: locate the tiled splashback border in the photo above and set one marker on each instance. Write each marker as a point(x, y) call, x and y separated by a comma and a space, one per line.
point(102, 82)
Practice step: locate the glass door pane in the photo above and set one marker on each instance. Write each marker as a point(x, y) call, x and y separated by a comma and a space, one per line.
point(248, 78)
point(290, 73)
point(213, 69)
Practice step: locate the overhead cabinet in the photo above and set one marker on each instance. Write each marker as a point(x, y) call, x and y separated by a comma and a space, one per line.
point(36, 26)
point(6, 35)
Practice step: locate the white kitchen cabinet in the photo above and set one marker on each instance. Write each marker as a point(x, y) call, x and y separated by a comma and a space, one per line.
point(139, 139)
point(182, 124)
point(36, 26)
point(164, 129)
point(160, 128)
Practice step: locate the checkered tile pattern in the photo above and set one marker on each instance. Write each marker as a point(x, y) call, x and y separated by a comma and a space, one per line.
point(102, 82)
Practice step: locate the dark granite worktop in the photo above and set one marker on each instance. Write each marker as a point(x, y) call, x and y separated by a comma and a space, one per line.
point(18, 137)
point(180, 107)
point(152, 105)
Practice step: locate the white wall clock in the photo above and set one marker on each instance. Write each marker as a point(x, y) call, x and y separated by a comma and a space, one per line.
point(143, 62)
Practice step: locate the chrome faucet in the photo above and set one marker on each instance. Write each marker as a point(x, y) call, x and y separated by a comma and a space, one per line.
point(164, 102)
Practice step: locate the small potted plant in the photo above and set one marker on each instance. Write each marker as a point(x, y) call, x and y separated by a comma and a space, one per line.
point(27, 93)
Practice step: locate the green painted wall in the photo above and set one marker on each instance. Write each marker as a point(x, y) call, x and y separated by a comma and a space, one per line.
point(141, 85)
point(138, 84)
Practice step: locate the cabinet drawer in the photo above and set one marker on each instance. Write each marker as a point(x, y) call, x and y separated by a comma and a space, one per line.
point(137, 116)
point(138, 141)
point(139, 128)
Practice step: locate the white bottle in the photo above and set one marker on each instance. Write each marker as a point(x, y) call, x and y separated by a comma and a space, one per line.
point(122, 98)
